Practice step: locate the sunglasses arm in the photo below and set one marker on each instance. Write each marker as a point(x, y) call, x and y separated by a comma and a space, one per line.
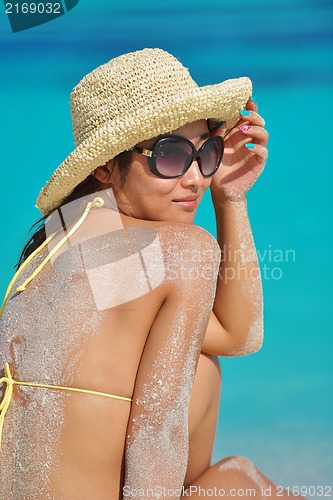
point(143, 151)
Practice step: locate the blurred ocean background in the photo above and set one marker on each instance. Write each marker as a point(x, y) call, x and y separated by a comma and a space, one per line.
point(277, 405)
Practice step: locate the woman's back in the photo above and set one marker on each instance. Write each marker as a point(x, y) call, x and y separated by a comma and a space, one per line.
point(83, 322)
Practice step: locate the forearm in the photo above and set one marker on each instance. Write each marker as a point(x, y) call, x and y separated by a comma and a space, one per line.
point(238, 303)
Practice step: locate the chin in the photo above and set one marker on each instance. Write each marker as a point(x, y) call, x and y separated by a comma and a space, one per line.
point(188, 219)
point(170, 216)
point(185, 218)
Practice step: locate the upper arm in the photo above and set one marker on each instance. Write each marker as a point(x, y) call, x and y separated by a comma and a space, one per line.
point(157, 445)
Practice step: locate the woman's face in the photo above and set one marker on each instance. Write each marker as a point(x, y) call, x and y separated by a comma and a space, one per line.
point(146, 196)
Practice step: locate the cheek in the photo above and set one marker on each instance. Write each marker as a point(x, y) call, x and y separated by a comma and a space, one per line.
point(152, 186)
point(206, 184)
point(165, 187)
point(141, 181)
point(147, 189)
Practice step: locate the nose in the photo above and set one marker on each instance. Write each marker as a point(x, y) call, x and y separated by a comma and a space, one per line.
point(193, 176)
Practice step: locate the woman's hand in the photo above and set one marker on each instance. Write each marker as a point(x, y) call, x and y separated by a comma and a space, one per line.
point(241, 165)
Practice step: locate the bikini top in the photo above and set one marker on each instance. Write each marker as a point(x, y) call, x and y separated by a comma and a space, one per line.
point(8, 379)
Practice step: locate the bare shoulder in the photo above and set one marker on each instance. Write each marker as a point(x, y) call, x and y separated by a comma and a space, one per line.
point(167, 245)
point(188, 234)
point(188, 252)
point(191, 255)
point(180, 234)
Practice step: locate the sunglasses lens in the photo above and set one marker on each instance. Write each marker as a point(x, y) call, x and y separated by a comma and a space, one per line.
point(211, 156)
point(172, 157)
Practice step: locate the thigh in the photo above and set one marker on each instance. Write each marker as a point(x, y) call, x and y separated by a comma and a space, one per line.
point(203, 415)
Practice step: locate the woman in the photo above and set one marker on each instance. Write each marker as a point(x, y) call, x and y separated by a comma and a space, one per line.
point(118, 292)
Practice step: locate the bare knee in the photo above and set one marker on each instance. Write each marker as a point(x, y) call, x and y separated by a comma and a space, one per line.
point(247, 467)
point(232, 475)
point(236, 461)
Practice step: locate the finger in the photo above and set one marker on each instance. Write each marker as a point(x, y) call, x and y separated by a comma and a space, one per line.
point(252, 117)
point(257, 134)
point(251, 105)
point(258, 150)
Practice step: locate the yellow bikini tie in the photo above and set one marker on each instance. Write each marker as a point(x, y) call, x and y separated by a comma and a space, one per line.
point(10, 382)
point(8, 379)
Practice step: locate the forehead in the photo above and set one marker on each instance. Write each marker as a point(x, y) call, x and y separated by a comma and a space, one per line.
point(195, 131)
point(192, 130)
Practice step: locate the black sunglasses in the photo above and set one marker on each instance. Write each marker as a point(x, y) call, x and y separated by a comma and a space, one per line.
point(172, 155)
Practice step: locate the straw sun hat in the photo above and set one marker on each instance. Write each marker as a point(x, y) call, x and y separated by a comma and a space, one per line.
point(130, 99)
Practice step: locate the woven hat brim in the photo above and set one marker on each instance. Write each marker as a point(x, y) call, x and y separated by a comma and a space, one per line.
point(218, 102)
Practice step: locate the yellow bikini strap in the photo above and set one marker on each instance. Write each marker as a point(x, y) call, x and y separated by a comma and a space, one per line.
point(97, 202)
point(25, 263)
point(7, 379)
point(10, 382)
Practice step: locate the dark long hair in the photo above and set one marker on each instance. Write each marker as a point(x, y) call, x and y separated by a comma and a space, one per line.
point(88, 186)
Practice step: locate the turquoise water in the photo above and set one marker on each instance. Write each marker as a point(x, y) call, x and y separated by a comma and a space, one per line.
point(276, 406)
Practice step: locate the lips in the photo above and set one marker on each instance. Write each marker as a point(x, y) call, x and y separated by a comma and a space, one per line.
point(189, 203)
point(189, 198)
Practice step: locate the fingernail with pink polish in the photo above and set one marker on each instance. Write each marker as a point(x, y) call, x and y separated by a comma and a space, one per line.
point(245, 127)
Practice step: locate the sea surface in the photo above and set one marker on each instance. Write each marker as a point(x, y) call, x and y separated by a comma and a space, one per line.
point(276, 405)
